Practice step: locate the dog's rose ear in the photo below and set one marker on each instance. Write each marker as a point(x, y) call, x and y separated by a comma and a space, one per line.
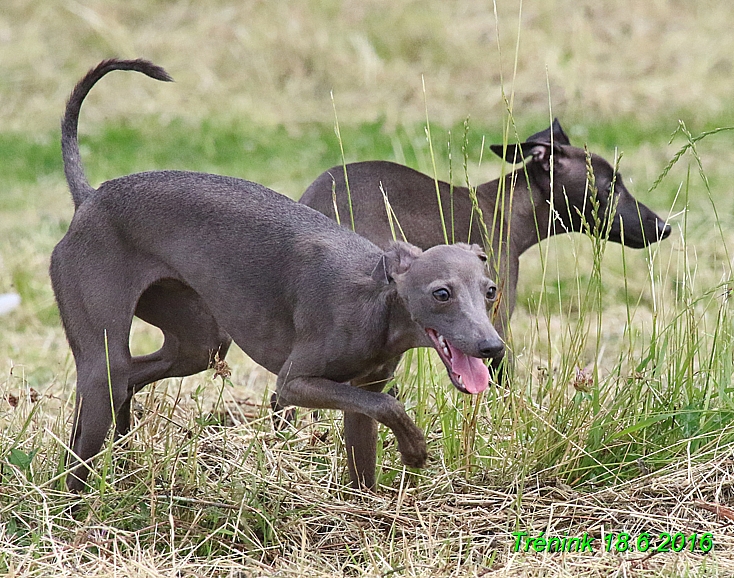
point(478, 251)
point(474, 248)
point(512, 154)
point(515, 153)
point(395, 261)
point(538, 146)
point(541, 153)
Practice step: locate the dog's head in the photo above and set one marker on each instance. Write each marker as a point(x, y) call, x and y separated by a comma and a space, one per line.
point(446, 290)
point(619, 215)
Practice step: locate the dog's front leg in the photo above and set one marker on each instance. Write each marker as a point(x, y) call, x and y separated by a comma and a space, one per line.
point(319, 393)
point(360, 439)
point(360, 431)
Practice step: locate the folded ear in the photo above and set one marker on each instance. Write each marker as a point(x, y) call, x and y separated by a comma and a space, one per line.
point(395, 261)
point(515, 153)
point(476, 249)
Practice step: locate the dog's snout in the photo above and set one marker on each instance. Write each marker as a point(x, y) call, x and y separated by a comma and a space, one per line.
point(489, 348)
point(663, 230)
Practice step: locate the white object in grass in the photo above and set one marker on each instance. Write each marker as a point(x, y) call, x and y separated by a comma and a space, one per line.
point(8, 302)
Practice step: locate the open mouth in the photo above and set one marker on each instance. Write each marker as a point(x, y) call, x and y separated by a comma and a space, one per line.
point(468, 374)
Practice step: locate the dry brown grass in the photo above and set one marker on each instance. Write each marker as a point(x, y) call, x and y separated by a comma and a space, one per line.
point(317, 527)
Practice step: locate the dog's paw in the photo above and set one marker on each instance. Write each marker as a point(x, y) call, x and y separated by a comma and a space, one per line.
point(416, 456)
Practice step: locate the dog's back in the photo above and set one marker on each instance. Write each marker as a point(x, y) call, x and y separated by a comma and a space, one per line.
point(212, 233)
point(380, 192)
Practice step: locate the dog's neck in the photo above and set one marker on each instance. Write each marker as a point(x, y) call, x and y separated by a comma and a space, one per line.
point(521, 208)
point(402, 332)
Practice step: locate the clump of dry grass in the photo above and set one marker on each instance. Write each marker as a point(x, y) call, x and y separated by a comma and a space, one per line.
point(207, 500)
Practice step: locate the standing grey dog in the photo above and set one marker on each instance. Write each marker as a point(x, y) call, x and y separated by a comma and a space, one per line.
point(515, 221)
point(208, 259)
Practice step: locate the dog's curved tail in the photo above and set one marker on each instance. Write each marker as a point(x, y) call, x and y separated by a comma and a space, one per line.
point(78, 183)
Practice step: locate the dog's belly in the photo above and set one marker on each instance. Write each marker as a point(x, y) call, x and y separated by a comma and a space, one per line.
point(271, 354)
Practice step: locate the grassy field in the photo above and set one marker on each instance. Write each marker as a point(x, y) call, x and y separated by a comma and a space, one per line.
point(618, 416)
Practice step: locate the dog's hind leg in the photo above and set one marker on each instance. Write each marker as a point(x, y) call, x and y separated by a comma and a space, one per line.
point(97, 286)
point(97, 320)
point(193, 340)
point(97, 376)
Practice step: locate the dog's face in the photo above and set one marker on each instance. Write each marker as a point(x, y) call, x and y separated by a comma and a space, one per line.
point(446, 291)
point(619, 214)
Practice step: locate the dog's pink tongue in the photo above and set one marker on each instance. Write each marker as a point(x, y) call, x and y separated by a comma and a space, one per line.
point(474, 374)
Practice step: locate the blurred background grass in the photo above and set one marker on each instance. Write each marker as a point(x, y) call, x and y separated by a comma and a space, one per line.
point(276, 62)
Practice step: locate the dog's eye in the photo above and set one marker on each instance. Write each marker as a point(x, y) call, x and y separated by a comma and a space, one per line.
point(442, 295)
point(491, 293)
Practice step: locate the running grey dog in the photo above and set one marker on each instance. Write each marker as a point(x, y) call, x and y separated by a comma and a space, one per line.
point(515, 222)
point(208, 259)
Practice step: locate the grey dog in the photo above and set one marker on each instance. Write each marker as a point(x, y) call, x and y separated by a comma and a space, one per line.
point(531, 204)
point(208, 259)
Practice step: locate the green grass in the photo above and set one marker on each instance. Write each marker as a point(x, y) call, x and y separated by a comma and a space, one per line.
point(276, 154)
point(292, 155)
